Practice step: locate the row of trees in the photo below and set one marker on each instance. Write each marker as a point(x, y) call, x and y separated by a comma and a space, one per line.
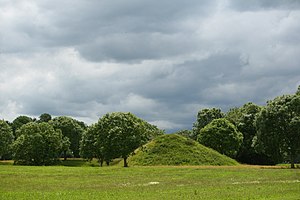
point(253, 134)
point(43, 141)
point(40, 142)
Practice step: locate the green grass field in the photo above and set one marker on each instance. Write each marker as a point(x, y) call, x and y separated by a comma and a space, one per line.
point(86, 182)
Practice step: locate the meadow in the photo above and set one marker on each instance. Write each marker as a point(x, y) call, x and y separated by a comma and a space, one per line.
point(79, 180)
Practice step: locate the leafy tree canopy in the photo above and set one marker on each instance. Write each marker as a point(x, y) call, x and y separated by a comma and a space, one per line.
point(19, 122)
point(45, 117)
point(278, 128)
point(243, 118)
point(37, 144)
point(222, 136)
point(204, 117)
point(71, 129)
point(89, 144)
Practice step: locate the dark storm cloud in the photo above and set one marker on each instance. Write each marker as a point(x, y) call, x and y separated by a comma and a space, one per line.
point(163, 61)
point(186, 80)
point(106, 30)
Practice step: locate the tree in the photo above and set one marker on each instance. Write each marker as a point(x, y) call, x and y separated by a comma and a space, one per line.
point(95, 144)
point(37, 144)
point(278, 128)
point(45, 117)
point(243, 118)
point(246, 126)
point(222, 136)
point(204, 117)
point(6, 139)
point(116, 135)
point(70, 129)
point(89, 148)
point(87, 143)
point(19, 122)
point(125, 131)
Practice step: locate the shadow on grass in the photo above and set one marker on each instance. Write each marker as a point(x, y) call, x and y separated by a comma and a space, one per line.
point(6, 162)
point(78, 162)
point(71, 162)
point(288, 166)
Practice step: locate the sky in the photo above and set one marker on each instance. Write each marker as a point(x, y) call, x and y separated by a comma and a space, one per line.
point(160, 60)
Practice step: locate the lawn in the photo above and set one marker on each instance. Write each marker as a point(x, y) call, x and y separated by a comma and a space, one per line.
point(86, 182)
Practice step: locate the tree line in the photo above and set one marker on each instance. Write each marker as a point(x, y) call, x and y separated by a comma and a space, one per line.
point(42, 142)
point(251, 134)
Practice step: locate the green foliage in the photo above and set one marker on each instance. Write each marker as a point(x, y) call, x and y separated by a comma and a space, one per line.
point(19, 122)
point(71, 129)
point(222, 136)
point(278, 128)
point(45, 117)
point(204, 117)
point(116, 135)
point(6, 139)
point(92, 144)
point(65, 146)
point(37, 144)
point(243, 118)
point(234, 115)
point(173, 149)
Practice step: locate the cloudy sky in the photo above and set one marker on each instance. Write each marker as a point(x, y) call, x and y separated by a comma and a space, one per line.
point(161, 60)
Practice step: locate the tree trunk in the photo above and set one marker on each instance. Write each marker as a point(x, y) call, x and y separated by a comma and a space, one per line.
point(125, 162)
point(292, 160)
point(65, 155)
point(100, 162)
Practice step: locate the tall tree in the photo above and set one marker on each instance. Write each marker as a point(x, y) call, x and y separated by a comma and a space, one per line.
point(243, 118)
point(204, 117)
point(94, 144)
point(70, 129)
point(222, 136)
point(6, 139)
point(19, 122)
point(278, 128)
point(37, 144)
point(87, 143)
point(116, 135)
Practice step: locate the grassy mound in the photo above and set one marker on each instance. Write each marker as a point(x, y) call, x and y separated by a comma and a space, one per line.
point(174, 149)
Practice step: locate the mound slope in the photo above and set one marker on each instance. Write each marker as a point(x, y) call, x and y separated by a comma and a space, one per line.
point(174, 149)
